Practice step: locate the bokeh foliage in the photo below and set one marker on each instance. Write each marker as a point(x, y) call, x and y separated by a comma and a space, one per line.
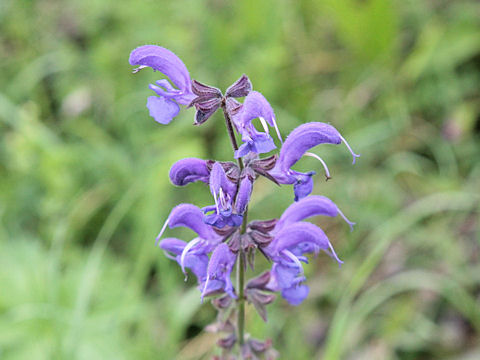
point(84, 185)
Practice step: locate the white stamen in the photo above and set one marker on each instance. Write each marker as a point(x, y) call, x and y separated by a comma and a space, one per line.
point(216, 202)
point(350, 223)
point(205, 288)
point(222, 200)
point(264, 124)
point(168, 255)
point(292, 257)
point(350, 149)
point(136, 70)
point(161, 231)
point(186, 249)
point(340, 262)
point(327, 173)
point(277, 130)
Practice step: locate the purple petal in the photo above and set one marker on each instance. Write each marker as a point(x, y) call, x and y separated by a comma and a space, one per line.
point(295, 235)
point(197, 263)
point(308, 207)
point(256, 142)
point(218, 180)
point(219, 268)
point(295, 295)
point(173, 245)
point(286, 276)
point(303, 185)
point(254, 106)
point(221, 220)
point(243, 196)
point(165, 61)
point(161, 109)
point(304, 138)
point(165, 89)
point(190, 216)
point(189, 170)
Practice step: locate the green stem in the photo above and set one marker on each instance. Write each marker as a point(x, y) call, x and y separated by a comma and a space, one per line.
point(241, 285)
point(241, 254)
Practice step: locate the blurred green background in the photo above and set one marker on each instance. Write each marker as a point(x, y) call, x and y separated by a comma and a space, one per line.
point(85, 189)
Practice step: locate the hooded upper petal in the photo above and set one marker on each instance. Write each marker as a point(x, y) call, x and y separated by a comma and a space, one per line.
point(163, 60)
point(296, 145)
point(299, 238)
point(190, 216)
point(189, 170)
point(256, 106)
point(307, 207)
point(303, 138)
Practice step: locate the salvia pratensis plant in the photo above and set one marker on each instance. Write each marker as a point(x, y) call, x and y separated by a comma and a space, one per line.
point(225, 237)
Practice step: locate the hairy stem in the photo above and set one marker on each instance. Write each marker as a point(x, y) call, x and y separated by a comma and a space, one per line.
point(231, 134)
point(241, 254)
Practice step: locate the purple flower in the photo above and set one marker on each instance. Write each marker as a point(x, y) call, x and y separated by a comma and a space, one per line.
point(223, 191)
point(255, 106)
point(287, 252)
point(192, 255)
point(293, 239)
point(164, 107)
point(218, 272)
point(300, 140)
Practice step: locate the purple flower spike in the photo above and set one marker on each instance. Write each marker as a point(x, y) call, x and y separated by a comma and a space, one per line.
point(308, 207)
point(189, 170)
point(255, 106)
point(296, 145)
point(223, 191)
point(165, 107)
point(218, 272)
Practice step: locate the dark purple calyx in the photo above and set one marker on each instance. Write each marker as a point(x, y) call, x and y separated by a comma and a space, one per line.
point(208, 100)
point(263, 166)
point(231, 169)
point(239, 88)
